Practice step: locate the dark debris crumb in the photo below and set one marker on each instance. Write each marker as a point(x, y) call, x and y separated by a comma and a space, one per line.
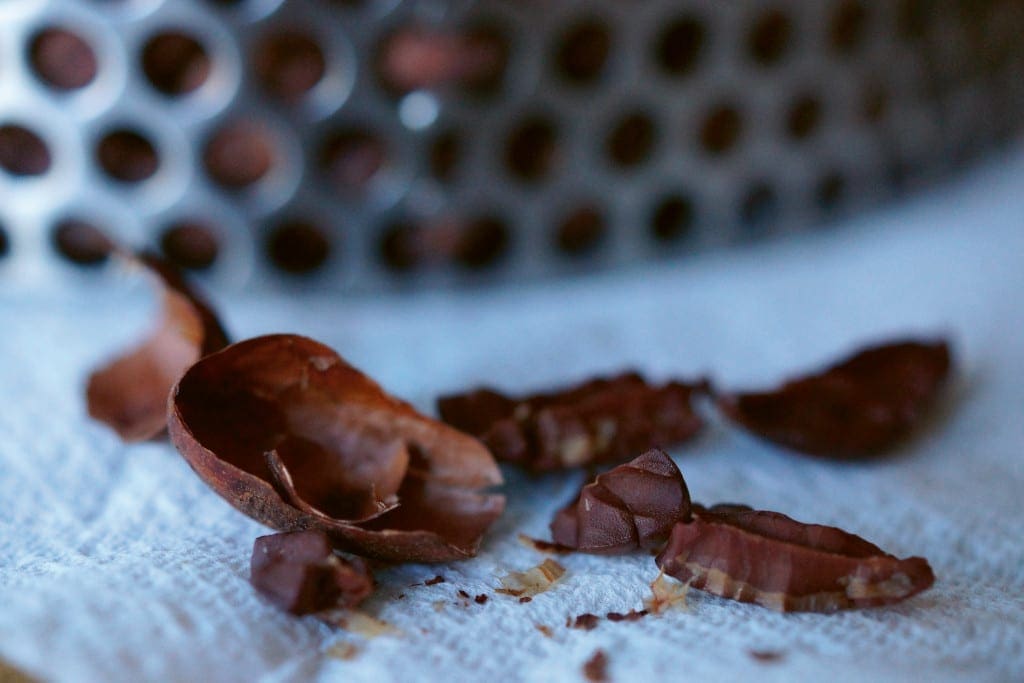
point(631, 615)
point(586, 621)
point(434, 581)
point(766, 656)
point(525, 599)
point(463, 594)
point(595, 669)
point(480, 599)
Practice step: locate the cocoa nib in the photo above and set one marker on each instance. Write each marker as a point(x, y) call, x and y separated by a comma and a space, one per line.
point(300, 573)
point(293, 436)
point(604, 420)
point(777, 562)
point(630, 507)
point(130, 393)
point(858, 407)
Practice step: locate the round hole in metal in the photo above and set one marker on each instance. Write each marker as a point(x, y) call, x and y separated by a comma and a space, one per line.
point(848, 26)
point(483, 242)
point(190, 244)
point(769, 37)
point(80, 242)
point(581, 231)
point(803, 117)
point(239, 154)
point(582, 50)
point(678, 46)
point(62, 59)
point(22, 151)
point(672, 218)
point(721, 129)
point(351, 157)
point(288, 65)
point(298, 247)
point(175, 63)
point(531, 148)
point(631, 140)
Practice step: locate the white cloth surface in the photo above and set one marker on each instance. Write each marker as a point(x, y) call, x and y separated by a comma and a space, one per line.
point(118, 564)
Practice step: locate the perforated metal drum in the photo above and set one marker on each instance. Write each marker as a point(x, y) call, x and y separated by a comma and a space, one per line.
point(275, 143)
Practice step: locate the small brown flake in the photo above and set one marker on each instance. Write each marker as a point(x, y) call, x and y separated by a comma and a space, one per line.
point(766, 656)
point(595, 669)
point(545, 630)
point(631, 615)
point(586, 621)
point(480, 599)
point(525, 599)
point(533, 581)
point(463, 594)
point(434, 581)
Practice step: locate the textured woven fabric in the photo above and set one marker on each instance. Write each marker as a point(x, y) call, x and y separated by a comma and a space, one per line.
point(118, 564)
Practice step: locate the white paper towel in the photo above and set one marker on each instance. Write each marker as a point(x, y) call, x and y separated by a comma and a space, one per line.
point(118, 564)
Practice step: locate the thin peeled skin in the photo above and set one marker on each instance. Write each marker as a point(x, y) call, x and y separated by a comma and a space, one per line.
point(130, 392)
point(777, 562)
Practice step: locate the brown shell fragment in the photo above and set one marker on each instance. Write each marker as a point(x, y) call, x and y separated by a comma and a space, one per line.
point(858, 407)
point(778, 562)
point(628, 508)
point(300, 573)
point(293, 436)
point(603, 420)
point(130, 393)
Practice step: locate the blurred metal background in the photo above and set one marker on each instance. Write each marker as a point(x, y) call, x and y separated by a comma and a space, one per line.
point(293, 143)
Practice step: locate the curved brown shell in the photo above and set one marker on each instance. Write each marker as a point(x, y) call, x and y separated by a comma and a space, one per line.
point(600, 421)
point(778, 562)
point(858, 407)
point(130, 393)
point(630, 507)
point(296, 438)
